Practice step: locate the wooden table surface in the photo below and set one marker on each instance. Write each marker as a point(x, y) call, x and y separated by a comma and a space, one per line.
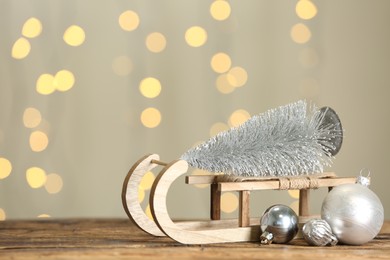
point(119, 238)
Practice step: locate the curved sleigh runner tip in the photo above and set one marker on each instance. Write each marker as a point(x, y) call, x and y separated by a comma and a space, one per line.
point(195, 232)
point(130, 194)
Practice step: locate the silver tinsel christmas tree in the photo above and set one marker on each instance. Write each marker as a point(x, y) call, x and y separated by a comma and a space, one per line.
point(289, 140)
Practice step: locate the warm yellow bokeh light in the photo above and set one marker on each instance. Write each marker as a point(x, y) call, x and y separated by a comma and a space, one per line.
point(122, 66)
point(45, 84)
point(31, 117)
point(220, 62)
point(156, 42)
point(294, 194)
point(128, 20)
point(36, 177)
point(295, 206)
point(32, 28)
point(141, 194)
point(229, 202)
point(147, 181)
point(64, 80)
point(38, 141)
point(21, 48)
point(217, 128)
point(44, 216)
point(148, 212)
point(220, 10)
point(150, 87)
point(237, 76)
point(196, 36)
point(305, 9)
point(2, 215)
point(53, 183)
point(223, 85)
point(300, 33)
point(5, 168)
point(151, 117)
point(74, 35)
point(238, 117)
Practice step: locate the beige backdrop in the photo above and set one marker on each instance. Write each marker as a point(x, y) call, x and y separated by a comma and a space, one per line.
point(68, 138)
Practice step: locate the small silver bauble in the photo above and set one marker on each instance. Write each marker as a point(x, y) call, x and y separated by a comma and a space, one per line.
point(354, 213)
point(279, 224)
point(317, 232)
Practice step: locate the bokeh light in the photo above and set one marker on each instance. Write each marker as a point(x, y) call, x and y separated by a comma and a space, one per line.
point(223, 85)
point(36, 177)
point(220, 62)
point(38, 141)
point(237, 76)
point(31, 117)
point(156, 42)
point(229, 202)
point(64, 80)
point(147, 181)
point(238, 117)
point(129, 20)
point(43, 216)
point(196, 36)
point(148, 212)
point(45, 84)
point(305, 9)
point(74, 35)
point(5, 168)
point(295, 206)
point(150, 87)
point(122, 66)
point(2, 214)
point(220, 10)
point(141, 194)
point(294, 194)
point(151, 117)
point(53, 183)
point(300, 33)
point(21, 48)
point(217, 128)
point(32, 28)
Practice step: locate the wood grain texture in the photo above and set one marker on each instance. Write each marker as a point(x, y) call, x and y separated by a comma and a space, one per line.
point(121, 239)
point(161, 216)
point(130, 201)
point(275, 184)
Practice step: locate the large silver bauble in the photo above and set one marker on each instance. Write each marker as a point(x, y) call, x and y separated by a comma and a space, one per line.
point(354, 213)
point(317, 232)
point(279, 224)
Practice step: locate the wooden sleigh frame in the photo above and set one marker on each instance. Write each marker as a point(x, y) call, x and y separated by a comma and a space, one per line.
point(214, 230)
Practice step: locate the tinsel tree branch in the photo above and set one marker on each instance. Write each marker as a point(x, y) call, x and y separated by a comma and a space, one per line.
point(289, 140)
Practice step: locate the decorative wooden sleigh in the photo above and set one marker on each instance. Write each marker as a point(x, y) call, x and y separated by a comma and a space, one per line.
point(215, 230)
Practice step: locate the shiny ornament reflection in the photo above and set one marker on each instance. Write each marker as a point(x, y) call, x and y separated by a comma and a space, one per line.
point(279, 224)
point(317, 232)
point(354, 213)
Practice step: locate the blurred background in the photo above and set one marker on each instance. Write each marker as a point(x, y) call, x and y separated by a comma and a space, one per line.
point(88, 87)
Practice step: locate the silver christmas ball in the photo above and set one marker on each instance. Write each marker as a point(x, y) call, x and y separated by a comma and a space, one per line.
point(354, 213)
point(279, 224)
point(317, 232)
